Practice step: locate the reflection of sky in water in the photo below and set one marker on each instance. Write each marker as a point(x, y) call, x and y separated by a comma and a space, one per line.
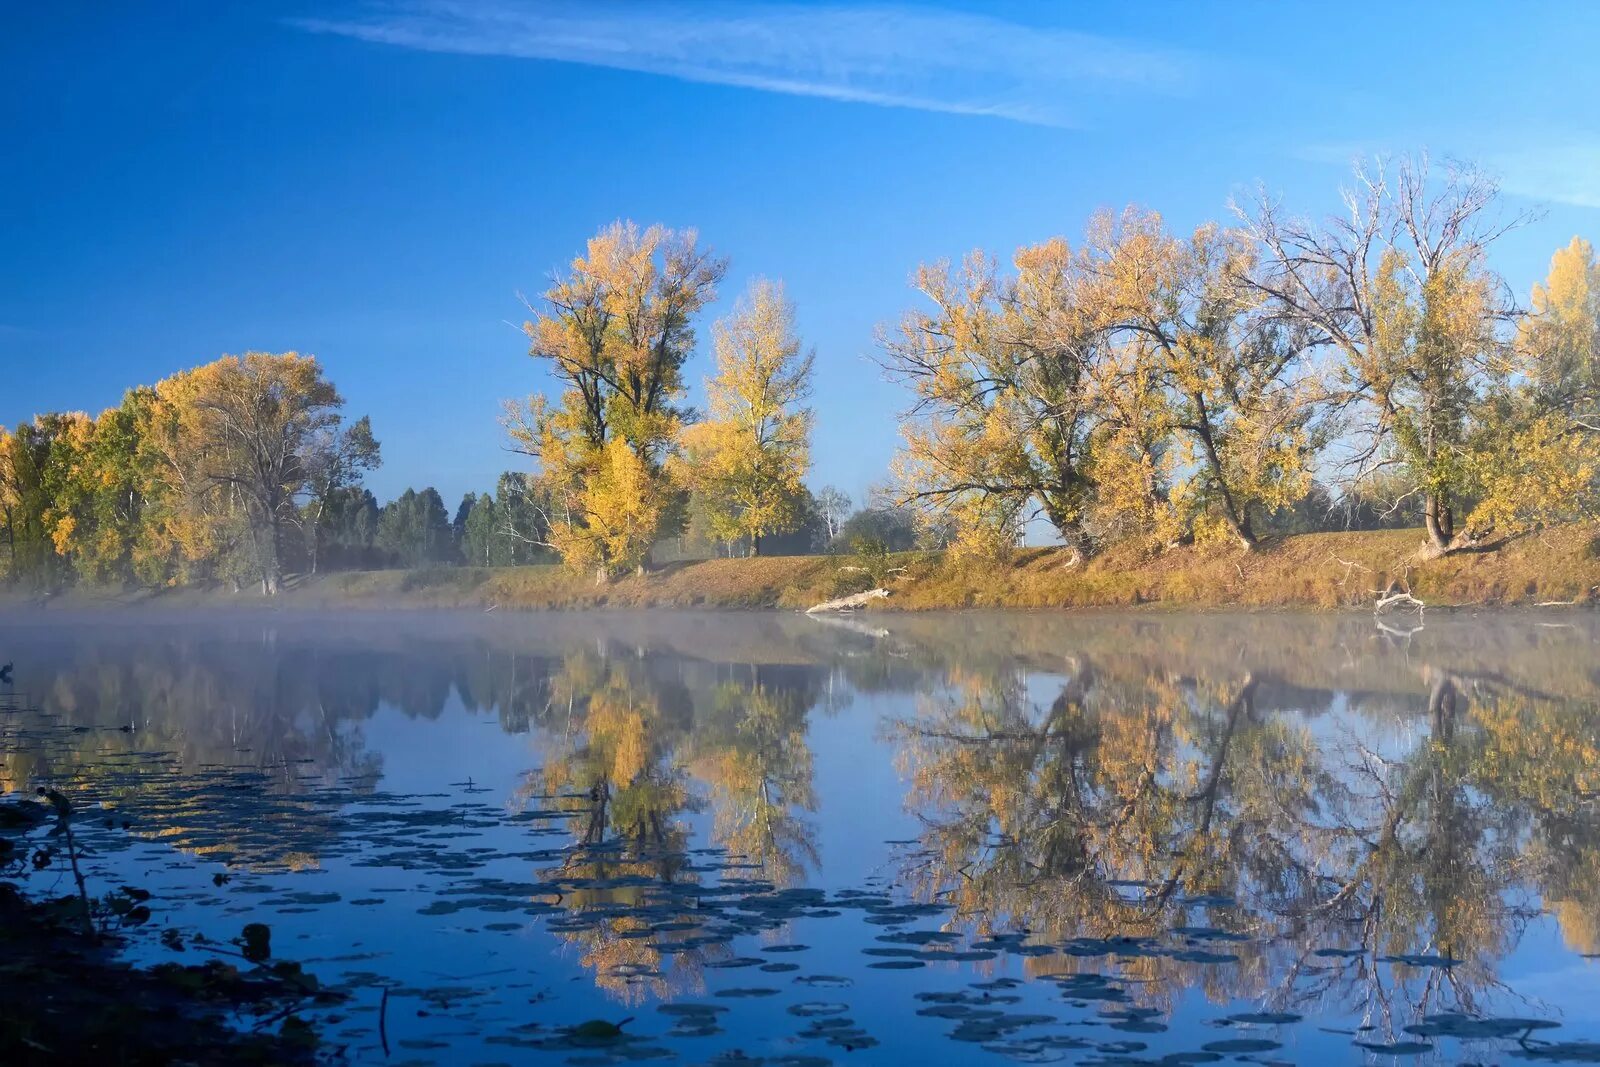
point(376, 863)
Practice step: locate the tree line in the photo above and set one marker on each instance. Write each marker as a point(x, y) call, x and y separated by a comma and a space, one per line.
point(1173, 387)
point(214, 473)
point(1272, 375)
point(246, 469)
point(239, 471)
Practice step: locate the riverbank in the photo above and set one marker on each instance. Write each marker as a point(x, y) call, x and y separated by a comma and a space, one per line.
point(1322, 571)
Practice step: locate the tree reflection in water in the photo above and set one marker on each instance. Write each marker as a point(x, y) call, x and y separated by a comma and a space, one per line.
point(1362, 832)
point(1191, 810)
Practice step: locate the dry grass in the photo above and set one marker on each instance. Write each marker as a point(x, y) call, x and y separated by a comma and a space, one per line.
point(1325, 570)
point(1319, 571)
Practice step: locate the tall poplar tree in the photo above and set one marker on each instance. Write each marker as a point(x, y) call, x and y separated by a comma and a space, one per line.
point(747, 461)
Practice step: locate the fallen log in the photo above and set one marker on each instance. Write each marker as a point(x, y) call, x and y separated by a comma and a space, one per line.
point(1397, 599)
point(1581, 598)
point(848, 603)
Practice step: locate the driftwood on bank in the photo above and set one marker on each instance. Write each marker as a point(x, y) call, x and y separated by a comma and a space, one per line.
point(1397, 599)
point(1585, 597)
point(849, 603)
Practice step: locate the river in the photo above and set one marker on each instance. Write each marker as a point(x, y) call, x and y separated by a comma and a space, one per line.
point(872, 839)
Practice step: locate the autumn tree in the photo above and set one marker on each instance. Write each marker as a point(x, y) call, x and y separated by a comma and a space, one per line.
point(616, 333)
point(11, 513)
point(117, 489)
point(1562, 333)
point(1400, 284)
point(1131, 464)
point(237, 443)
point(1210, 362)
point(1001, 371)
point(84, 488)
point(1531, 451)
point(25, 496)
point(747, 460)
point(1133, 387)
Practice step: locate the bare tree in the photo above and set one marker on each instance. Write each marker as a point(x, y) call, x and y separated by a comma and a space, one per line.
point(1399, 283)
point(833, 504)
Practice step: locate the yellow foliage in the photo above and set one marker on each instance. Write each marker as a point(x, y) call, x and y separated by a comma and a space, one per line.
point(1124, 389)
point(1560, 337)
point(1530, 472)
point(748, 460)
point(617, 332)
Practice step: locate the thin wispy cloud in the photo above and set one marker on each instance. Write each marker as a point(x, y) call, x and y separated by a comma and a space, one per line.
point(1553, 170)
point(922, 58)
point(1562, 173)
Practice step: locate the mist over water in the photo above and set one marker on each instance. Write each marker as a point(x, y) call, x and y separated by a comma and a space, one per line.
point(996, 838)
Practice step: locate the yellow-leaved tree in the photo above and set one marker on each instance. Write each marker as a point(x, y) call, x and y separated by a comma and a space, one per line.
point(1139, 386)
point(616, 333)
point(1214, 366)
point(1532, 455)
point(1561, 333)
point(747, 461)
point(1401, 287)
point(39, 460)
point(235, 445)
point(1002, 371)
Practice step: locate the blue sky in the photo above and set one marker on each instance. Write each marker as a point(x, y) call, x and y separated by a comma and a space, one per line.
point(376, 183)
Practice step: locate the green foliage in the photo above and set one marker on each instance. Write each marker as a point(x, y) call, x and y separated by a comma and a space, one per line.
point(345, 531)
point(889, 528)
point(414, 530)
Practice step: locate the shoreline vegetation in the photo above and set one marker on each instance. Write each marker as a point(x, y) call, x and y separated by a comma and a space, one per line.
point(1558, 566)
point(1156, 402)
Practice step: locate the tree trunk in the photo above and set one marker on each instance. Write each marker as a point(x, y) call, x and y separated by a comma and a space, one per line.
point(755, 544)
point(271, 559)
point(1440, 522)
point(1238, 518)
point(848, 603)
point(1078, 540)
point(316, 538)
point(1243, 530)
point(600, 575)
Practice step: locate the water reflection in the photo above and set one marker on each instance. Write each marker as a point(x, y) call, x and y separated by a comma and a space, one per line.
point(1190, 813)
point(1292, 817)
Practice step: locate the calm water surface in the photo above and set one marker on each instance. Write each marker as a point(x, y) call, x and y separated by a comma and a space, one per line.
point(1092, 839)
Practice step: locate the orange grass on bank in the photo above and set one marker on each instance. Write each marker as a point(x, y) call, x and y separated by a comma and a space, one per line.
point(1321, 571)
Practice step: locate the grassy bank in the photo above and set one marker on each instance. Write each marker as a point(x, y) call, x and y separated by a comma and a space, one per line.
point(1319, 571)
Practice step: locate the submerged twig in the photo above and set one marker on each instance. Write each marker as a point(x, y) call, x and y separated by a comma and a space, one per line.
point(383, 1019)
